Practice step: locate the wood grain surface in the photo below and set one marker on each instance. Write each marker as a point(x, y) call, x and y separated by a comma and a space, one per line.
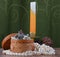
point(56, 55)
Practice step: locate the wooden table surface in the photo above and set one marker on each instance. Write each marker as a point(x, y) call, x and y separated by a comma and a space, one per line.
point(56, 55)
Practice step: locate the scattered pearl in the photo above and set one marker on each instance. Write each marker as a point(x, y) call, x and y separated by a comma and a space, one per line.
point(39, 49)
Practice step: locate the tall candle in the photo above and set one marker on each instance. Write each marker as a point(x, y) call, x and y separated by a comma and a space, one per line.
point(33, 17)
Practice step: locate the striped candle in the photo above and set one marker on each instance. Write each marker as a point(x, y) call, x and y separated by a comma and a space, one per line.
point(33, 17)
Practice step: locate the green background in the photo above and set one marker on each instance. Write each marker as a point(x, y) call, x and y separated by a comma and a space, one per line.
point(14, 15)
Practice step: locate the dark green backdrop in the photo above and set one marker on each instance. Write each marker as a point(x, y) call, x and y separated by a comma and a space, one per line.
point(14, 14)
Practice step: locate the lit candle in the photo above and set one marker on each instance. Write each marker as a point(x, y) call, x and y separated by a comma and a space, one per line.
point(33, 17)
